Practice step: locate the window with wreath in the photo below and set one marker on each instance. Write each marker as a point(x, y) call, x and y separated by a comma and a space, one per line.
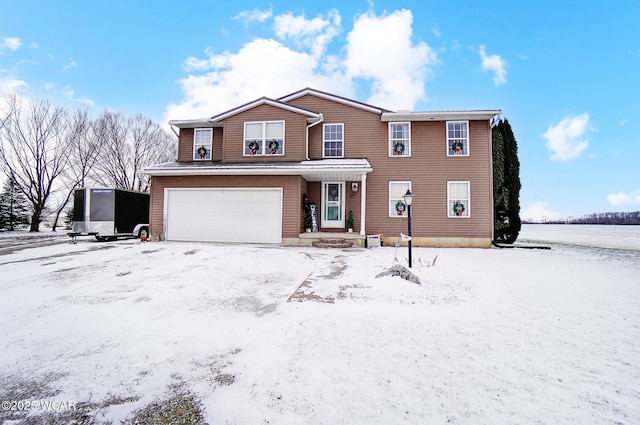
point(457, 138)
point(458, 199)
point(264, 138)
point(333, 140)
point(397, 206)
point(202, 139)
point(399, 139)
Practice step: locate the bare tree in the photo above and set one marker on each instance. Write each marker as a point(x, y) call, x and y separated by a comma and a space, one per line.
point(129, 145)
point(84, 150)
point(34, 149)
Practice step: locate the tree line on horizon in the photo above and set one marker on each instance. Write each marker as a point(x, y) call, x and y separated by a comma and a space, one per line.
point(621, 218)
point(47, 151)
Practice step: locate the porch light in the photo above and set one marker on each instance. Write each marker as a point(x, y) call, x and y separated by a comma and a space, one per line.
point(408, 200)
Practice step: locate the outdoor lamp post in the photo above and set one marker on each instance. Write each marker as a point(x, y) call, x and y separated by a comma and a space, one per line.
point(408, 199)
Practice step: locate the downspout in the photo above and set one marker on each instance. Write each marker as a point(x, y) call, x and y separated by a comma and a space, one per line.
point(174, 131)
point(307, 135)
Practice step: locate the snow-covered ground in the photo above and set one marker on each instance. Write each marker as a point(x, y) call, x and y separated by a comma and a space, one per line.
point(492, 336)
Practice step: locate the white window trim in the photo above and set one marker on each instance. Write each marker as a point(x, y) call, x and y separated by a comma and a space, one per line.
point(391, 144)
point(324, 140)
point(449, 154)
point(264, 143)
point(389, 200)
point(210, 147)
point(449, 210)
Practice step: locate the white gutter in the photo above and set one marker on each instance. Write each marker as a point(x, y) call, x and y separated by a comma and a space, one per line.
point(307, 135)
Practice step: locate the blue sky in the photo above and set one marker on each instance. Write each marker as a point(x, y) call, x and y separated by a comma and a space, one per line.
point(565, 74)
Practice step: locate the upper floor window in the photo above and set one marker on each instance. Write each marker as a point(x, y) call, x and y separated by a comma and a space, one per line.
point(202, 139)
point(399, 139)
point(397, 206)
point(457, 138)
point(458, 199)
point(333, 140)
point(264, 138)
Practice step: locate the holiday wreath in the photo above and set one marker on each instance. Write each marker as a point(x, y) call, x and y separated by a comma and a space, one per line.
point(458, 208)
point(273, 147)
point(202, 152)
point(400, 207)
point(253, 147)
point(457, 147)
point(398, 148)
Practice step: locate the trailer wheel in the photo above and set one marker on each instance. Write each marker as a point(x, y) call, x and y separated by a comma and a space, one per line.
point(143, 233)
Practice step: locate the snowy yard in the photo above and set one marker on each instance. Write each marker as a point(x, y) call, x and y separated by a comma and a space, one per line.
point(493, 336)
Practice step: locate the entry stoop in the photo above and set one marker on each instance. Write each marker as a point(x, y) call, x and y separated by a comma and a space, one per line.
point(332, 243)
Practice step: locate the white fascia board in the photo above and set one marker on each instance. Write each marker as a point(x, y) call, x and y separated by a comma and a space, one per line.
point(263, 101)
point(305, 168)
point(440, 115)
point(197, 123)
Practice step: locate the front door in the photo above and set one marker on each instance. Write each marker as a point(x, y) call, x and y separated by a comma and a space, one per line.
point(333, 204)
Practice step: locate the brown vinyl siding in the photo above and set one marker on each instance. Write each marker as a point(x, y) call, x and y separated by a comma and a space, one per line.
point(429, 168)
point(185, 144)
point(292, 218)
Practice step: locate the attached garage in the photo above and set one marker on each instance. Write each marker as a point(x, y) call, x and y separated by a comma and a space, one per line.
point(251, 215)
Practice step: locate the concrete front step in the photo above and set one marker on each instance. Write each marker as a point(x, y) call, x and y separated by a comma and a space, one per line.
point(332, 243)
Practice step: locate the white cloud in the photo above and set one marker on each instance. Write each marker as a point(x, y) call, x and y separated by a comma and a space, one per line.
point(539, 212)
point(566, 140)
point(314, 34)
point(71, 64)
point(381, 49)
point(70, 94)
point(255, 15)
point(268, 67)
point(435, 31)
point(10, 84)
point(495, 64)
point(233, 78)
point(623, 198)
point(11, 43)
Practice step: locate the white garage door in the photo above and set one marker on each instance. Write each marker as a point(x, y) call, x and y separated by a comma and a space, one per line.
point(224, 215)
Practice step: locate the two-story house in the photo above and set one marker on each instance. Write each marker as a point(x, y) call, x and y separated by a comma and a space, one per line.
point(242, 175)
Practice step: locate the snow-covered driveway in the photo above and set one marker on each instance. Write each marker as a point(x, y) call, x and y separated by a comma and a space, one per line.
point(491, 336)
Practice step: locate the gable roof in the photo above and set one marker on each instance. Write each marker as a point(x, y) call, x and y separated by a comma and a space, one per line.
point(216, 120)
point(334, 98)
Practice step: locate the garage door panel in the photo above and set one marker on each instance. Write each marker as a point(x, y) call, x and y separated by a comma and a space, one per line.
point(224, 215)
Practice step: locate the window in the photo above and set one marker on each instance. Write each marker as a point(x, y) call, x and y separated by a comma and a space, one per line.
point(202, 138)
point(333, 140)
point(264, 138)
point(397, 206)
point(458, 199)
point(399, 139)
point(457, 138)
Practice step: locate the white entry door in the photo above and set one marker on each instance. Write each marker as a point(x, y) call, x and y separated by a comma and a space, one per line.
point(333, 204)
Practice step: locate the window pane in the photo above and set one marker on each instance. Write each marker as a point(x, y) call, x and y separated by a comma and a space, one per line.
point(253, 130)
point(397, 190)
point(274, 130)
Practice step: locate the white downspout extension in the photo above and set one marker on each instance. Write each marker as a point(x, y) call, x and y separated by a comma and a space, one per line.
point(363, 203)
point(307, 135)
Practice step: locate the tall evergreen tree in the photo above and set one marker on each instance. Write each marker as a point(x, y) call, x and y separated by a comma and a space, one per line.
point(14, 207)
point(506, 183)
